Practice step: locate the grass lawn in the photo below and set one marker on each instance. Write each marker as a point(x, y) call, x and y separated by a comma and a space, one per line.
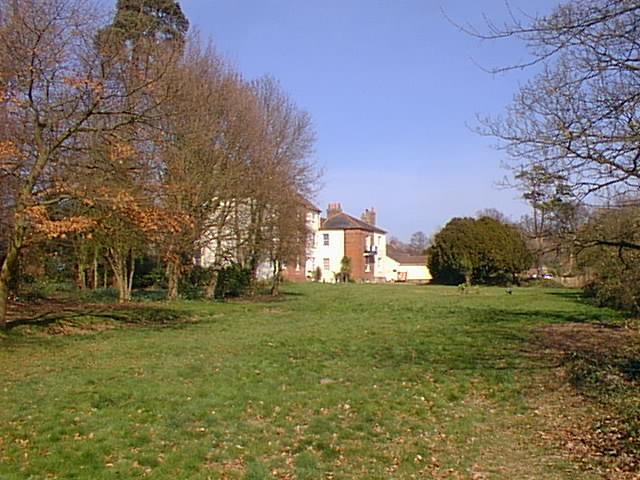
point(334, 382)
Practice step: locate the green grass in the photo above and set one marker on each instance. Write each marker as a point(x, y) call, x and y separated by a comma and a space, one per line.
point(349, 381)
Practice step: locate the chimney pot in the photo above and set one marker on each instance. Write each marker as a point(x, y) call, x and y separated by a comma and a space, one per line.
point(334, 209)
point(369, 216)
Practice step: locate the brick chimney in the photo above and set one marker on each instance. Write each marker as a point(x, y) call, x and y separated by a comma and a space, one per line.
point(333, 209)
point(369, 216)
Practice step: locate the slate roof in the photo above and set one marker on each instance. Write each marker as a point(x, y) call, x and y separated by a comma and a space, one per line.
point(406, 258)
point(343, 221)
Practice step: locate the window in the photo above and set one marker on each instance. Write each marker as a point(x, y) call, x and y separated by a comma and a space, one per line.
point(325, 239)
point(325, 264)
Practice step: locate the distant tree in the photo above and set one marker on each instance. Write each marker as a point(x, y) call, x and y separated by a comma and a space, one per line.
point(289, 236)
point(493, 213)
point(483, 251)
point(418, 243)
point(397, 244)
point(548, 196)
point(206, 138)
point(452, 255)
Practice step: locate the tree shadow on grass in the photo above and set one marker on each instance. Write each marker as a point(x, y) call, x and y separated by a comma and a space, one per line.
point(604, 318)
point(58, 318)
point(288, 293)
point(568, 294)
point(495, 339)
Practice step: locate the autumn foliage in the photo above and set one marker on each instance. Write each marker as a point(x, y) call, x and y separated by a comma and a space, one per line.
point(132, 138)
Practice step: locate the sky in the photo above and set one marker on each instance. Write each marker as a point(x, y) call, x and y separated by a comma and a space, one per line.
point(394, 90)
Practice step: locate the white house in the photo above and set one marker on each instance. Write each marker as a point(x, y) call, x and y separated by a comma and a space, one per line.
point(330, 239)
point(342, 235)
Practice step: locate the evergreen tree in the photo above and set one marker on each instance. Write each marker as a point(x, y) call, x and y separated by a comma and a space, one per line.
point(159, 20)
point(483, 251)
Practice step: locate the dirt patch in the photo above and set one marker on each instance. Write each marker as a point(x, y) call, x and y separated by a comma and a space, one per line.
point(588, 407)
point(584, 338)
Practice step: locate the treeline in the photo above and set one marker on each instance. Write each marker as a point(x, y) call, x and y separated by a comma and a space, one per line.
point(596, 247)
point(131, 137)
point(571, 135)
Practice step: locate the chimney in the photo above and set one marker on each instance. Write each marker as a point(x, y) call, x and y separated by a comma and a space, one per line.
point(333, 209)
point(369, 216)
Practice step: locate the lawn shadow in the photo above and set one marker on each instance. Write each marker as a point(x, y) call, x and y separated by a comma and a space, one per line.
point(603, 318)
point(572, 294)
point(286, 293)
point(60, 318)
point(500, 339)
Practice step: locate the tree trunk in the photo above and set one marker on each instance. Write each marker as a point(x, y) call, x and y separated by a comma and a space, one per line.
point(94, 284)
point(173, 278)
point(210, 291)
point(275, 283)
point(6, 275)
point(253, 278)
point(8, 269)
point(122, 274)
point(81, 277)
point(132, 268)
point(119, 277)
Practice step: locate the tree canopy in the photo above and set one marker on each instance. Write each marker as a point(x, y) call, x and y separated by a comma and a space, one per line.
point(154, 19)
point(480, 250)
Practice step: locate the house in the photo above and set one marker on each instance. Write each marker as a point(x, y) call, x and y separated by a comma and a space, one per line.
point(229, 240)
point(303, 268)
point(329, 240)
point(404, 267)
point(342, 235)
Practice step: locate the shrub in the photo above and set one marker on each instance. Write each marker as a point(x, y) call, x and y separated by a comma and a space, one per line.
point(233, 281)
point(317, 274)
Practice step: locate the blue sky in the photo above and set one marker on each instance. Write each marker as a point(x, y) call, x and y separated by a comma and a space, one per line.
point(393, 89)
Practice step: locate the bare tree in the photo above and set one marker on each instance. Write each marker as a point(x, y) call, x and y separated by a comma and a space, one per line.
point(208, 132)
point(577, 119)
point(418, 243)
point(495, 214)
point(280, 172)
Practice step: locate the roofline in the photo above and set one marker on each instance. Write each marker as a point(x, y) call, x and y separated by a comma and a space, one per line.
point(366, 229)
point(361, 225)
point(413, 261)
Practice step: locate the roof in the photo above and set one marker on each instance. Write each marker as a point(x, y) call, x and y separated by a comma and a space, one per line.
point(405, 258)
point(306, 203)
point(343, 221)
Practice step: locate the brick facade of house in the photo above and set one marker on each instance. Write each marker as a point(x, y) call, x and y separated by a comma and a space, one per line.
point(358, 239)
point(355, 242)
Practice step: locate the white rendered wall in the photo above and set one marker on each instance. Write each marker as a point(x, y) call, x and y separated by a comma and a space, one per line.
point(334, 252)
